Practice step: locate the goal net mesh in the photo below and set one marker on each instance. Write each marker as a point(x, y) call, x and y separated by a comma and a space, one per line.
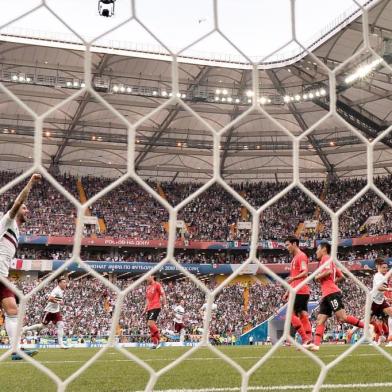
point(216, 135)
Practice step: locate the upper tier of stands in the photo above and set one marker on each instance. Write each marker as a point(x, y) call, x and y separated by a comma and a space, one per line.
point(129, 211)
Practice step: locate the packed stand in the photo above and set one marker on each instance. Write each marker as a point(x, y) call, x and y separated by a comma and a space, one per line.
point(130, 212)
point(89, 307)
point(50, 212)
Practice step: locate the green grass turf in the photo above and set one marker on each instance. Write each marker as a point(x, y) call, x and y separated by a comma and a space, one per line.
point(113, 372)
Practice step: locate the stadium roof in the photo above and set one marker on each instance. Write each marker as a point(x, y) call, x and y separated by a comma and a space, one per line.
point(83, 137)
point(152, 29)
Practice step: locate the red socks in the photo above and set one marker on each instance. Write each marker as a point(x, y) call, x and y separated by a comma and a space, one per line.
point(307, 326)
point(354, 321)
point(296, 323)
point(318, 335)
point(154, 332)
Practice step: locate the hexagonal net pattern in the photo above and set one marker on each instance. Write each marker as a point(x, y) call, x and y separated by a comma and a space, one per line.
point(173, 211)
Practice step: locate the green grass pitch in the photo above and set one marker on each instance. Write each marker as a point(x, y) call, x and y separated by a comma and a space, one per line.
point(203, 371)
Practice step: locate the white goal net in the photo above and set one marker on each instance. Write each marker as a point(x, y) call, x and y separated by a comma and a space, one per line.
point(255, 105)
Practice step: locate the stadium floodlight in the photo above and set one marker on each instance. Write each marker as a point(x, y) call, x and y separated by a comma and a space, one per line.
point(249, 93)
point(297, 97)
point(286, 98)
point(305, 96)
point(217, 92)
point(106, 8)
point(115, 88)
point(323, 92)
point(129, 90)
point(363, 71)
point(14, 78)
point(224, 92)
point(237, 100)
point(229, 99)
point(263, 100)
point(311, 95)
point(164, 93)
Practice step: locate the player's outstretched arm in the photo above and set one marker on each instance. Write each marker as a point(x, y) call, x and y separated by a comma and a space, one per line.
point(22, 197)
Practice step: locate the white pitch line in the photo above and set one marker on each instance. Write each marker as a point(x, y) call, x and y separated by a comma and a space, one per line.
point(282, 387)
point(173, 359)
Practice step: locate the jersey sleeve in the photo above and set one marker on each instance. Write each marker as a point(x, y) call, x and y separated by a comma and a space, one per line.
point(5, 223)
point(302, 263)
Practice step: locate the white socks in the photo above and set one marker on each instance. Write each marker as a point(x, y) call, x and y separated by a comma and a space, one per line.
point(60, 332)
point(11, 325)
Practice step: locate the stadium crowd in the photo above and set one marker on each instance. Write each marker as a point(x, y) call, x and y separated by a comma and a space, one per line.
point(89, 306)
point(129, 211)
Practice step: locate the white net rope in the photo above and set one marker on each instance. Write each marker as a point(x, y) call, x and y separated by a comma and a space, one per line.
point(173, 211)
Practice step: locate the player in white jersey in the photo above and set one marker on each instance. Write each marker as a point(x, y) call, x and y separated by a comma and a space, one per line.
point(52, 312)
point(11, 221)
point(380, 305)
point(179, 313)
point(203, 311)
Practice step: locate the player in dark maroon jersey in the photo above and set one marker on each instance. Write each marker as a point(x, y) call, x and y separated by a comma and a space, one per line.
point(331, 296)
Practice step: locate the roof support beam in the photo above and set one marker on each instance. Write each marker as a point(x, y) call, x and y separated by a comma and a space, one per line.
point(77, 116)
point(301, 122)
point(362, 120)
point(170, 117)
point(236, 112)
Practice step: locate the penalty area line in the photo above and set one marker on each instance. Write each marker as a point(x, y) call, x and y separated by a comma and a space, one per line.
point(282, 387)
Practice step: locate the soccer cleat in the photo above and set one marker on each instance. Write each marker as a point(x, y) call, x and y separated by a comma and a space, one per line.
point(389, 344)
point(312, 347)
point(65, 347)
point(30, 353)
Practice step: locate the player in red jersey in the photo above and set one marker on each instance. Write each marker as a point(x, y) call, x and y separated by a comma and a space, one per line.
point(331, 296)
point(298, 273)
point(155, 299)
